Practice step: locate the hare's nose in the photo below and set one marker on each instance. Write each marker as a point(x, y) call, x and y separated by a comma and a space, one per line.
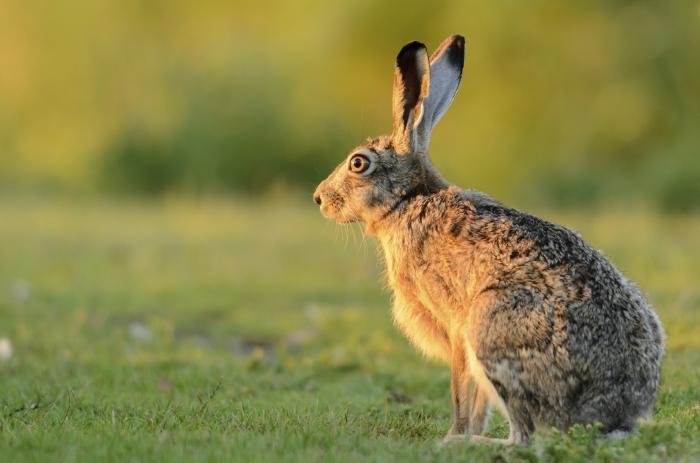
point(317, 194)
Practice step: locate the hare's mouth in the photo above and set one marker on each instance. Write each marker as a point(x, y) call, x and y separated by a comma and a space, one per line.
point(332, 212)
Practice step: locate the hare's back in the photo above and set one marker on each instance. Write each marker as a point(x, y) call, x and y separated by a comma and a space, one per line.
point(555, 266)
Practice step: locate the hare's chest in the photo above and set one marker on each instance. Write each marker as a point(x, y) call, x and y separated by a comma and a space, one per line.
point(425, 331)
point(421, 315)
point(422, 299)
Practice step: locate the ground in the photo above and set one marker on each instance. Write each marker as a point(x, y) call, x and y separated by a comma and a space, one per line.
point(257, 331)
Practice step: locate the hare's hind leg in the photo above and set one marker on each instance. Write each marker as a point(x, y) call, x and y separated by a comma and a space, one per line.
point(520, 429)
point(520, 424)
point(500, 329)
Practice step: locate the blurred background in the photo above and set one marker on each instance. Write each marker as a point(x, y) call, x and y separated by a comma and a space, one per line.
point(167, 286)
point(562, 103)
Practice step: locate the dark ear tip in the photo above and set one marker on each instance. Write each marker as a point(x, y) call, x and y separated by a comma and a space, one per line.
point(415, 45)
point(458, 40)
point(454, 48)
point(411, 48)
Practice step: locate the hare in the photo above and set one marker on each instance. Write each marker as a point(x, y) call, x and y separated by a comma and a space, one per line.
point(531, 319)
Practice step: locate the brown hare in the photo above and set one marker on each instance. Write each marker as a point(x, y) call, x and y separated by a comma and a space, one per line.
point(531, 319)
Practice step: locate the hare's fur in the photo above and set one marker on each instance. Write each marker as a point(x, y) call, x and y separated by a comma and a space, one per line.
point(531, 319)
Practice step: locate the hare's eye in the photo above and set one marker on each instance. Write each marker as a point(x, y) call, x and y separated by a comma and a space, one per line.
point(359, 164)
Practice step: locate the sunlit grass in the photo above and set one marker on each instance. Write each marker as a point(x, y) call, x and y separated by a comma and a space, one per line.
point(252, 331)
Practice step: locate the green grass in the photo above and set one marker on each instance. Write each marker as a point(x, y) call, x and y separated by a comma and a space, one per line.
point(241, 331)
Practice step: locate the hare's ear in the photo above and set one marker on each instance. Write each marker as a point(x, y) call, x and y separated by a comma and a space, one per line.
point(411, 83)
point(446, 65)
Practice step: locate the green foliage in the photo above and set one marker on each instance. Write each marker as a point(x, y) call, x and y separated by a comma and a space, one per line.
point(139, 165)
point(224, 144)
point(566, 102)
point(198, 331)
point(675, 178)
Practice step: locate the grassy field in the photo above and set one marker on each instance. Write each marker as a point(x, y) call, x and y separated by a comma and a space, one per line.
point(240, 331)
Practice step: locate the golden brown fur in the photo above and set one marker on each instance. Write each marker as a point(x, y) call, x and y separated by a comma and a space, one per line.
point(530, 318)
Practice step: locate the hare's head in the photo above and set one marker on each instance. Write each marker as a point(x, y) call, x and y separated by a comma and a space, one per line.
point(377, 177)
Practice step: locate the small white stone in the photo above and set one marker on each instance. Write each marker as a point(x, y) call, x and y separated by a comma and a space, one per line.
point(5, 349)
point(140, 332)
point(20, 291)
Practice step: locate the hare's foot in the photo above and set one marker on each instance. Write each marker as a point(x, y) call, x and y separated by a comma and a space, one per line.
point(517, 436)
point(451, 439)
point(483, 440)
